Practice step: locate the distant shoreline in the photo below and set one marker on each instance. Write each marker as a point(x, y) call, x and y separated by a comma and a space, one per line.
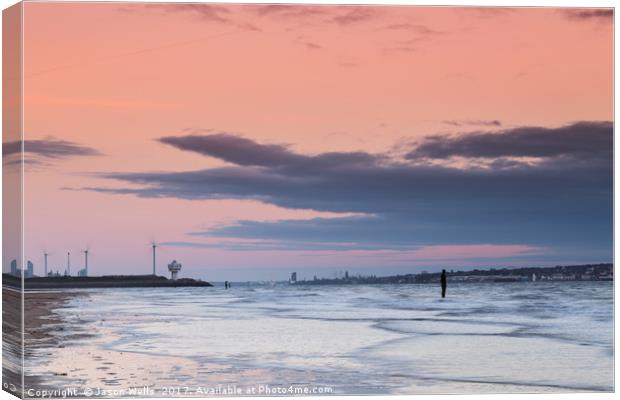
point(112, 281)
point(586, 272)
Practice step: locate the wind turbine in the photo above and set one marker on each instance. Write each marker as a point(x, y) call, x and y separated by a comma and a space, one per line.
point(86, 260)
point(45, 254)
point(154, 247)
point(69, 263)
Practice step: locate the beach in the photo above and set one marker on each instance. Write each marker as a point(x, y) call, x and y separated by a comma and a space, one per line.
point(355, 339)
point(42, 329)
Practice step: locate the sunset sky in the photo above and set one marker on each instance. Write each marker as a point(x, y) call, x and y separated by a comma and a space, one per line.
point(252, 141)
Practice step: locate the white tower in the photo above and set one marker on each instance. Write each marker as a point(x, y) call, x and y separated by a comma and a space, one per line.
point(174, 267)
point(45, 255)
point(69, 263)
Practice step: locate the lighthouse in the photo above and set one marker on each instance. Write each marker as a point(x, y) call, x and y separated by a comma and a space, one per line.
point(174, 267)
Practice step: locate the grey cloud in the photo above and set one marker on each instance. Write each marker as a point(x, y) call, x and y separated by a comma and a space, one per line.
point(578, 141)
point(249, 27)
point(396, 190)
point(420, 35)
point(602, 14)
point(557, 203)
point(207, 12)
point(233, 148)
point(400, 49)
point(406, 231)
point(479, 122)
point(340, 15)
point(242, 151)
point(49, 148)
point(415, 28)
point(290, 10)
point(27, 162)
point(355, 15)
point(301, 40)
point(280, 245)
point(310, 45)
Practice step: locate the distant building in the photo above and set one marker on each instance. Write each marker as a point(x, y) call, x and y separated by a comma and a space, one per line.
point(174, 267)
point(83, 272)
point(14, 270)
point(28, 273)
point(293, 278)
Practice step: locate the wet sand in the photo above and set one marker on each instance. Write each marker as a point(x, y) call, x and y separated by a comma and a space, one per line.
point(40, 324)
point(11, 340)
point(112, 341)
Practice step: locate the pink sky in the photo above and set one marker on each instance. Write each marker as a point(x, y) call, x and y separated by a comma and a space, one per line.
point(115, 77)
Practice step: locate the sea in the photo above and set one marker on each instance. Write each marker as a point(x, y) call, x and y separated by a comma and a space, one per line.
point(280, 339)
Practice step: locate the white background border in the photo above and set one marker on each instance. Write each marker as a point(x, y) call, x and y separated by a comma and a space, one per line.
point(546, 3)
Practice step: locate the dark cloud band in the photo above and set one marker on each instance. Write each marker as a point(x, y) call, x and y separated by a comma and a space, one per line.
point(50, 148)
point(564, 201)
point(245, 152)
point(603, 14)
point(582, 140)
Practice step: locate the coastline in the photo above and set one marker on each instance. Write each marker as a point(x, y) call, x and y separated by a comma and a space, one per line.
point(112, 281)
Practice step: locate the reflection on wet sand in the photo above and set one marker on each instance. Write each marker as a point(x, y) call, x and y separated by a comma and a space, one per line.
point(11, 341)
point(41, 328)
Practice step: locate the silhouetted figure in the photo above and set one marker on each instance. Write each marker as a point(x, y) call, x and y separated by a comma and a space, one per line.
point(225, 284)
point(444, 283)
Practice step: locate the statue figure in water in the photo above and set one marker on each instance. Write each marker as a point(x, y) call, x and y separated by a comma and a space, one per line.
point(444, 283)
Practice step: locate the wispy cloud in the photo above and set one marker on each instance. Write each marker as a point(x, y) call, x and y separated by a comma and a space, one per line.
point(418, 253)
point(579, 141)
point(242, 151)
point(290, 10)
point(417, 34)
point(41, 153)
point(308, 44)
point(354, 15)
point(475, 122)
point(586, 14)
point(209, 13)
point(330, 14)
point(49, 148)
point(206, 12)
point(414, 28)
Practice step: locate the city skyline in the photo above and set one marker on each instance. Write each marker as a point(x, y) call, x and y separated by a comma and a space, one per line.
point(321, 138)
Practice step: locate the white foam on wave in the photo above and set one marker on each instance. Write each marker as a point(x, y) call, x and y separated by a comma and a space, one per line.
point(437, 327)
